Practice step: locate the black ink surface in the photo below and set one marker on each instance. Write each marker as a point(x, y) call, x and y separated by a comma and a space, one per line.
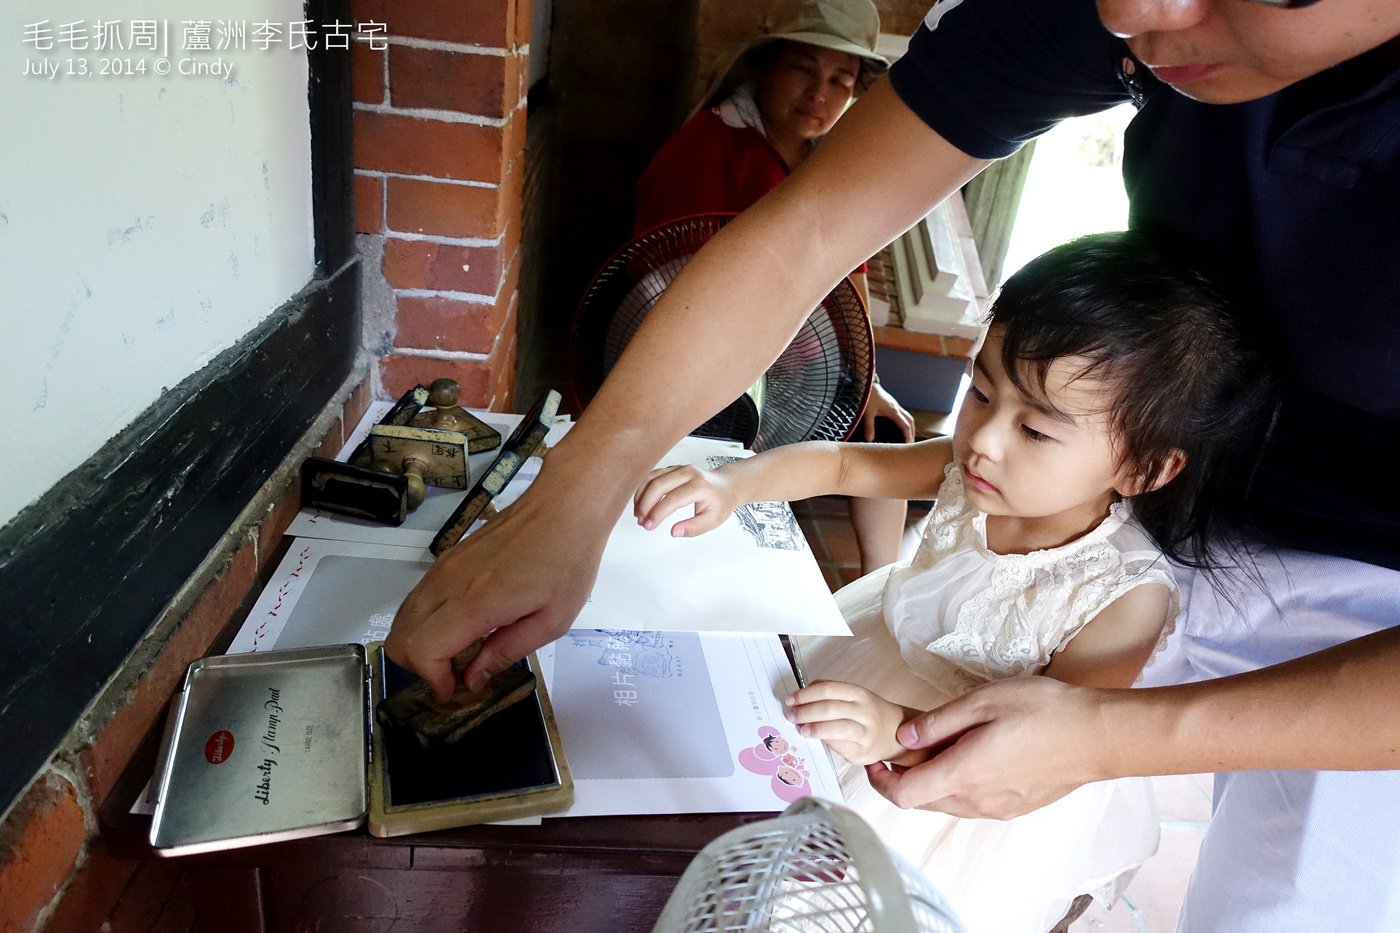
point(508, 753)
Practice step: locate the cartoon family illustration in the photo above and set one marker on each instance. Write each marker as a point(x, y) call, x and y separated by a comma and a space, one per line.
point(773, 755)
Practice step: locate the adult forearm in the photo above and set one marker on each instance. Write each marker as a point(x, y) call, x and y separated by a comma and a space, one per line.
point(729, 313)
point(1012, 746)
point(740, 300)
point(1338, 709)
point(716, 328)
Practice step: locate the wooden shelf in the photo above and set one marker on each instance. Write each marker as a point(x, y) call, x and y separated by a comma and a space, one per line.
point(897, 338)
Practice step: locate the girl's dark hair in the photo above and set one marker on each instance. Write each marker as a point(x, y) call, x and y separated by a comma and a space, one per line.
point(1168, 332)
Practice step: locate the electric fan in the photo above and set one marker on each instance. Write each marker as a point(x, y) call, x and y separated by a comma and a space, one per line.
point(818, 868)
point(816, 388)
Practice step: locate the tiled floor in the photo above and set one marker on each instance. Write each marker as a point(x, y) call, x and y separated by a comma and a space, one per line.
point(827, 524)
point(1152, 901)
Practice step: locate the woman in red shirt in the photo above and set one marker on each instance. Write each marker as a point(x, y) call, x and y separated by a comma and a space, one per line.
point(766, 113)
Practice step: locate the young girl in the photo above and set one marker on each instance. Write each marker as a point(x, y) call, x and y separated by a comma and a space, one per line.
point(1106, 403)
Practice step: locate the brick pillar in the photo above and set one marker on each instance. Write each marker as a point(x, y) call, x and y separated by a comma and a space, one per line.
point(439, 162)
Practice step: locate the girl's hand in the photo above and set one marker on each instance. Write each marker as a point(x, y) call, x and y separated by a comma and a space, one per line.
point(670, 488)
point(858, 725)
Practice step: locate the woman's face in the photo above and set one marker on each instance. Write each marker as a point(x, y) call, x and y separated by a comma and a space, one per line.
point(804, 89)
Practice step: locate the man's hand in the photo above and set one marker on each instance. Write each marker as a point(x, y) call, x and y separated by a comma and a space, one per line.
point(883, 403)
point(1002, 750)
point(674, 487)
point(523, 577)
point(858, 725)
point(1009, 747)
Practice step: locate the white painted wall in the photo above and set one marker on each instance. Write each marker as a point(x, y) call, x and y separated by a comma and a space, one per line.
point(146, 222)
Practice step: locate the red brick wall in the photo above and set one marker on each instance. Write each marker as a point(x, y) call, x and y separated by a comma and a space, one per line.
point(439, 162)
point(439, 142)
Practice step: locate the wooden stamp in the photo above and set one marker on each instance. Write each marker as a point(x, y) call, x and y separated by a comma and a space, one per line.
point(356, 487)
point(446, 415)
point(410, 449)
point(525, 441)
point(354, 490)
point(416, 708)
point(404, 411)
point(439, 458)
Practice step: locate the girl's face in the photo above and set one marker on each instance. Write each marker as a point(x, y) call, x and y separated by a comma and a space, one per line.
point(790, 777)
point(1030, 457)
point(804, 90)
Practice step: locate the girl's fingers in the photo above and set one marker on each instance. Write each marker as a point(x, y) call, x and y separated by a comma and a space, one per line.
point(826, 690)
point(707, 518)
point(659, 490)
point(676, 499)
point(906, 426)
point(656, 486)
point(836, 730)
point(824, 711)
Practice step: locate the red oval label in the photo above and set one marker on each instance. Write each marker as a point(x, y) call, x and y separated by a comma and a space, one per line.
point(219, 747)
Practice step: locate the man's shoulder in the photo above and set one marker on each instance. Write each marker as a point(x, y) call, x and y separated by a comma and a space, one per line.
point(989, 75)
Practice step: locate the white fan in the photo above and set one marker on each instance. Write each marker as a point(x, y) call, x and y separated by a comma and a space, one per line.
point(818, 868)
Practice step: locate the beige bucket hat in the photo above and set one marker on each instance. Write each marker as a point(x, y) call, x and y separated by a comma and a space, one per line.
point(844, 25)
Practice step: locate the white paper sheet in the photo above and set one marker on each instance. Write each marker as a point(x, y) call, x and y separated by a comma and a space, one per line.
point(754, 573)
point(665, 722)
point(653, 722)
point(331, 593)
point(422, 523)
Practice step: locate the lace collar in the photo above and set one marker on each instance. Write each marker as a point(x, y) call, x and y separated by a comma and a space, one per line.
point(1119, 513)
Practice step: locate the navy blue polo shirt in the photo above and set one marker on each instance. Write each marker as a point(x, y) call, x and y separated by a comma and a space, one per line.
point(1298, 192)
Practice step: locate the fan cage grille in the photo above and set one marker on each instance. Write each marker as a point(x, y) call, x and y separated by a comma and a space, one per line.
point(793, 874)
point(815, 390)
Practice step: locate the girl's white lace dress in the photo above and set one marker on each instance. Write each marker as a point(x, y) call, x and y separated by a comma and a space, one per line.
point(959, 615)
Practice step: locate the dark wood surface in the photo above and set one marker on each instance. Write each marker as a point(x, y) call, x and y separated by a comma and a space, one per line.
point(332, 152)
point(565, 876)
point(575, 875)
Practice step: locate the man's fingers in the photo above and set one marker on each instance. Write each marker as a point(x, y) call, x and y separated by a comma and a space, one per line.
point(910, 788)
point(420, 603)
point(507, 645)
point(942, 724)
point(439, 675)
point(886, 782)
